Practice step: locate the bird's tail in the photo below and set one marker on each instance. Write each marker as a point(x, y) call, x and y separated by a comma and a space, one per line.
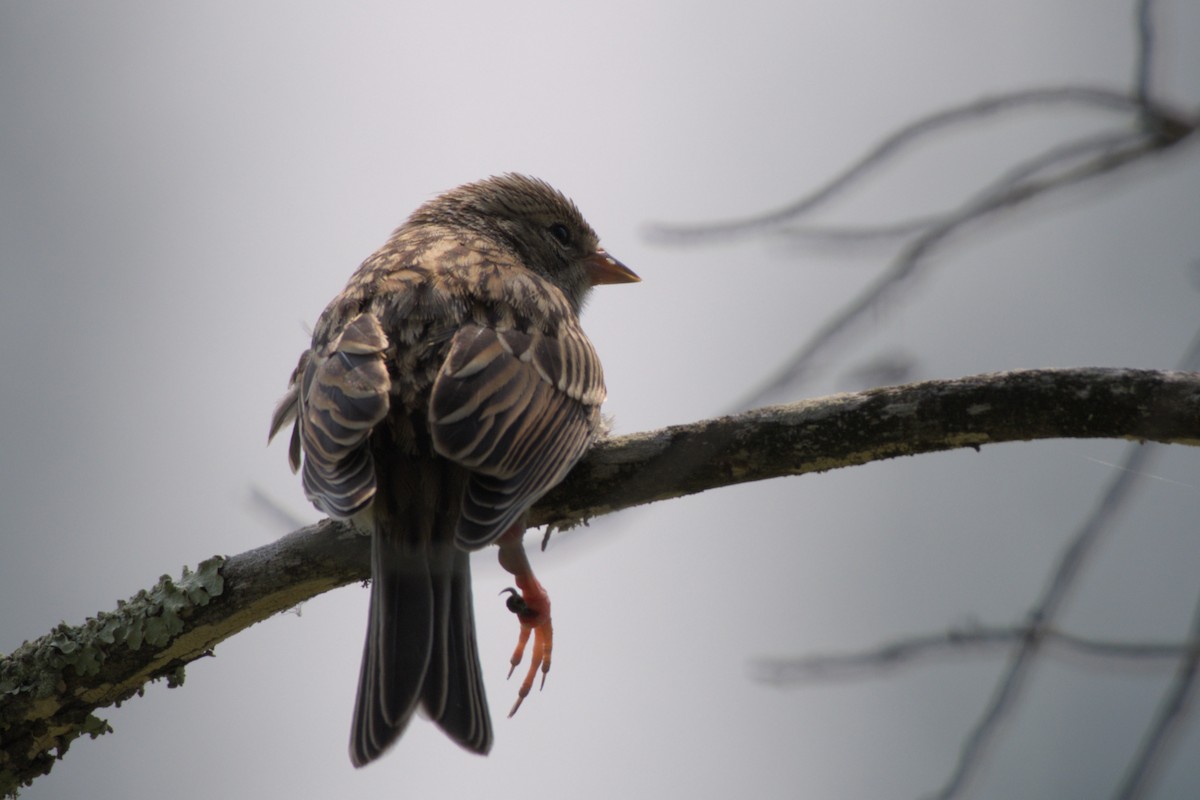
point(420, 646)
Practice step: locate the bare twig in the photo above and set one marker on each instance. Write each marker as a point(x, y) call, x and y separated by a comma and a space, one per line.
point(1144, 54)
point(1060, 157)
point(857, 235)
point(1005, 695)
point(792, 671)
point(1166, 722)
point(1059, 167)
point(1064, 165)
point(280, 517)
point(891, 145)
point(1071, 561)
point(1110, 152)
point(1173, 707)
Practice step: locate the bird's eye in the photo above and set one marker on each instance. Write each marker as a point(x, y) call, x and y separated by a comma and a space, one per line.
point(560, 232)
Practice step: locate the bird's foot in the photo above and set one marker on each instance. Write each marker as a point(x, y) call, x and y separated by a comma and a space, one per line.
point(532, 607)
point(530, 602)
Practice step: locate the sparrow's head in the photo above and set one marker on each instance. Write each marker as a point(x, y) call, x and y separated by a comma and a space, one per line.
point(537, 222)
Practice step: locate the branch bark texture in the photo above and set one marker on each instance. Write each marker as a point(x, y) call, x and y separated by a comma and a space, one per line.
point(50, 688)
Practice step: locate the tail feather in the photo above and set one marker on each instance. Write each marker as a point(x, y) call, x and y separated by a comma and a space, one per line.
point(420, 647)
point(397, 652)
point(454, 696)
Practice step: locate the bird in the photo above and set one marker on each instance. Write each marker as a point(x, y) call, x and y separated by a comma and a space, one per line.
point(447, 388)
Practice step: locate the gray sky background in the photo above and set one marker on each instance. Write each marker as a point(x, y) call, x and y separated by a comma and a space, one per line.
point(184, 186)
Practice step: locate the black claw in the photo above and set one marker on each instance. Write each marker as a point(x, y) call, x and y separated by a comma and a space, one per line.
point(515, 603)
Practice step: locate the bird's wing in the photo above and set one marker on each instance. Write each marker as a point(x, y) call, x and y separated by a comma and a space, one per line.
point(340, 396)
point(517, 409)
point(285, 412)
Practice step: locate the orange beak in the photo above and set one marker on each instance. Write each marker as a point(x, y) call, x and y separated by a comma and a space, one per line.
point(603, 268)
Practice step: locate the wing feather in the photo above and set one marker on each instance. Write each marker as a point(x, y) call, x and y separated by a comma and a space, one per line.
point(518, 409)
point(341, 396)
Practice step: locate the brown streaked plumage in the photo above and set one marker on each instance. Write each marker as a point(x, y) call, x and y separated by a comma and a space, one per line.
point(447, 388)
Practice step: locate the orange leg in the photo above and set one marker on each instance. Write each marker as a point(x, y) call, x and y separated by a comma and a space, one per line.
point(532, 606)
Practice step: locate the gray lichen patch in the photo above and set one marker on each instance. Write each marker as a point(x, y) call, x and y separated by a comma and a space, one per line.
point(48, 687)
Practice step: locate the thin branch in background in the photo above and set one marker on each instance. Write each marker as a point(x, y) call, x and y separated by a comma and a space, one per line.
point(1130, 473)
point(1167, 720)
point(1191, 360)
point(1160, 127)
point(1077, 159)
point(1108, 152)
point(1061, 166)
point(886, 369)
point(1057, 157)
point(280, 517)
point(891, 145)
point(857, 235)
point(1145, 52)
point(792, 671)
point(1005, 193)
point(1021, 661)
point(1174, 706)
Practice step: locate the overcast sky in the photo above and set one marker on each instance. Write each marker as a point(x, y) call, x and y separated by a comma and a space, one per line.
point(184, 186)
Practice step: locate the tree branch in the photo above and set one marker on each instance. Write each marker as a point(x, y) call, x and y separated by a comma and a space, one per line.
point(50, 688)
point(972, 639)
